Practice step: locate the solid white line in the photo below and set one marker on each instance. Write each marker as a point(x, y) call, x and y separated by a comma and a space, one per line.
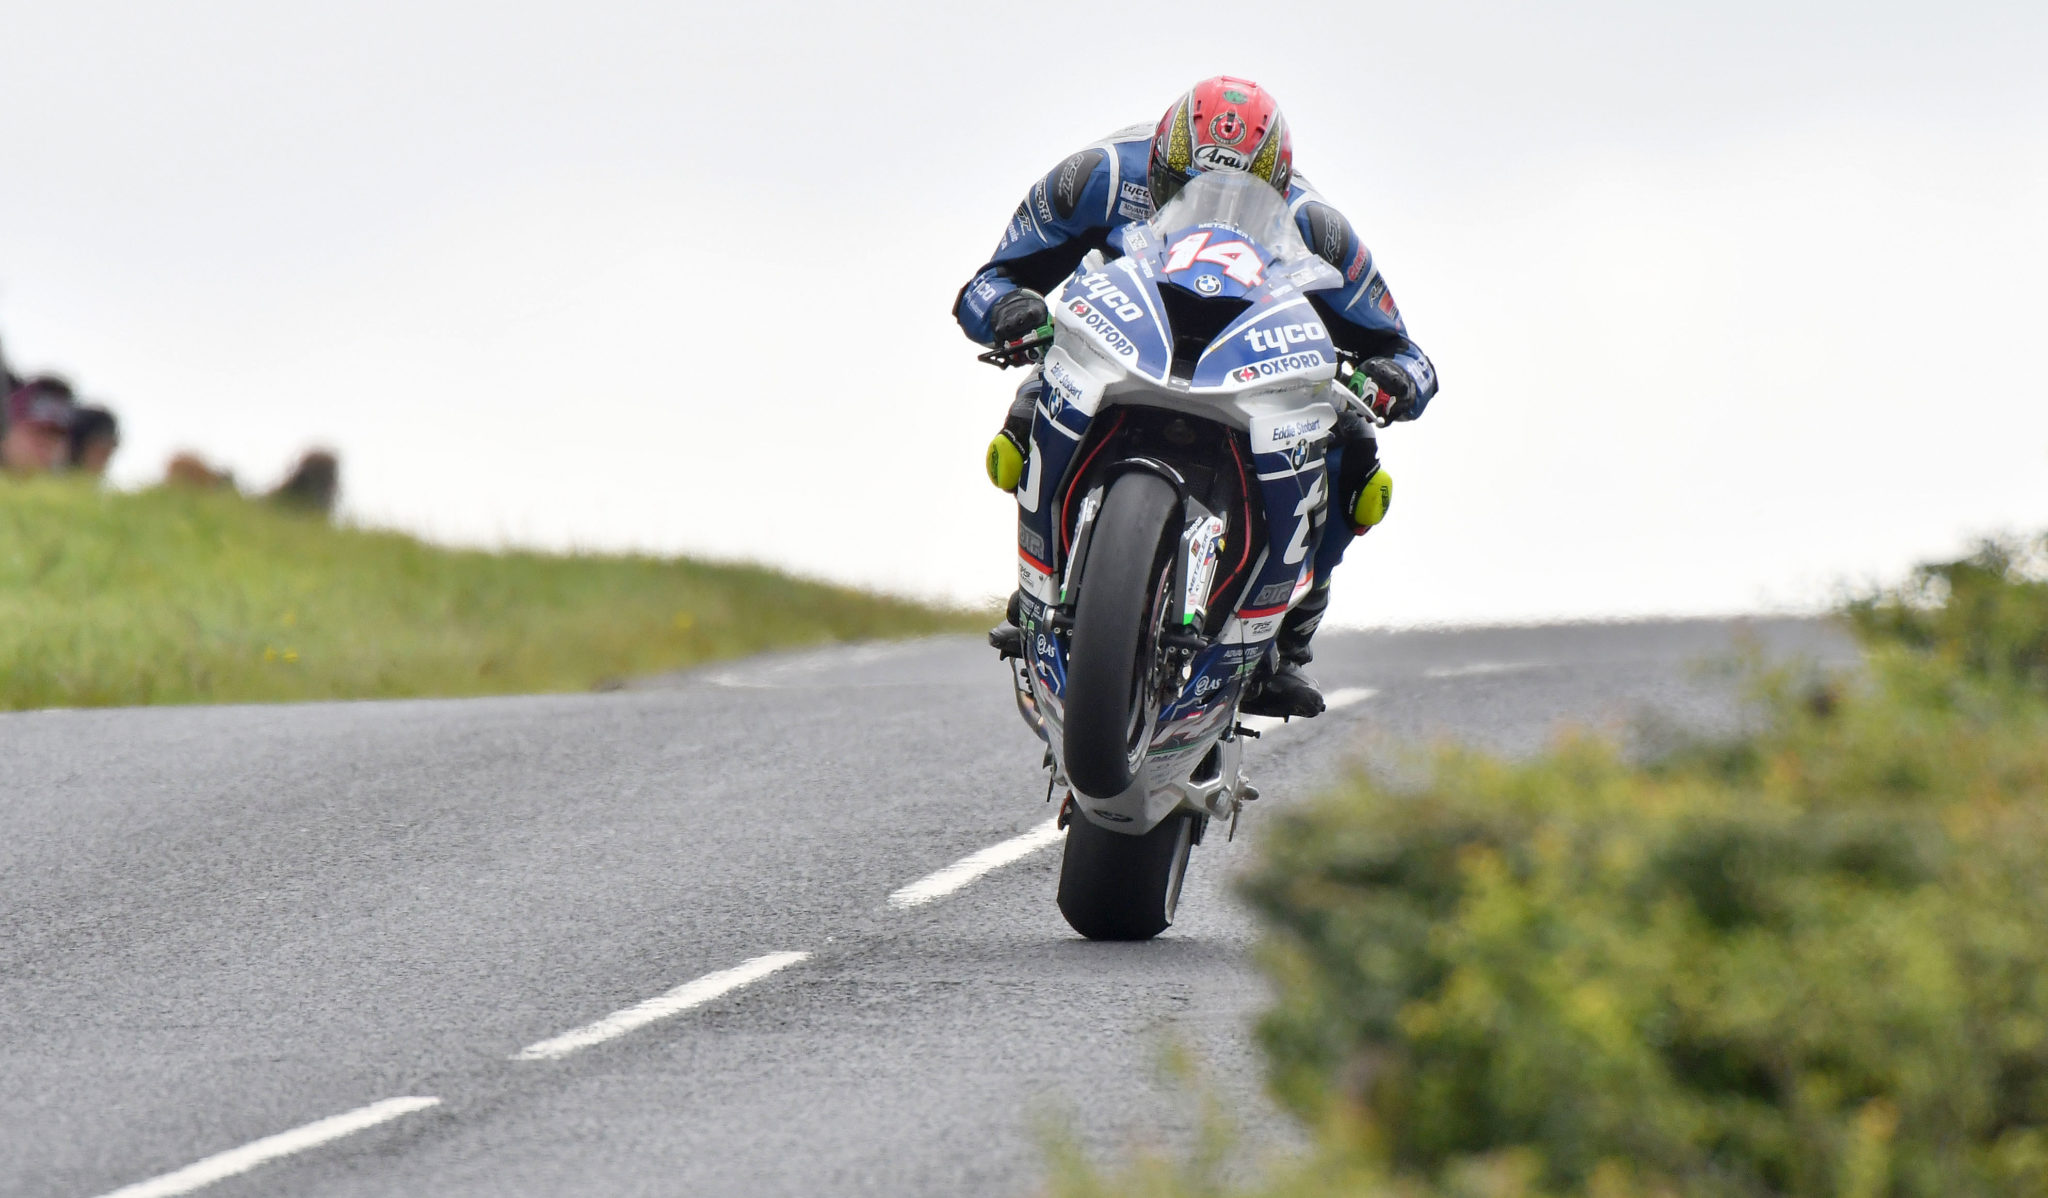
point(965, 870)
point(1336, 700)
point(682, 998)
point(204, 1173)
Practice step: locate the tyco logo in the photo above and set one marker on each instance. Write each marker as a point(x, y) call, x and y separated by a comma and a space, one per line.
point(1273, 366)
point(1282, 336)
point(1106, 293)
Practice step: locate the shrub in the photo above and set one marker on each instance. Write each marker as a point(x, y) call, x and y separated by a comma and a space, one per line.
point(1811, 962)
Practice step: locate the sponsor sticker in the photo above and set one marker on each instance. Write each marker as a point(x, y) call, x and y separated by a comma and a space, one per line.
point(1300, 428)
point(1277, 366)
point(1279, 337)
point(1134, 200)
point(1107, 294)
point(1358, 263)
point(1277, 592)
point(1104, 329)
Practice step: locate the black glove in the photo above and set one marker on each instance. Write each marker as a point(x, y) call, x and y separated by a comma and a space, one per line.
point(1016, 314)
point(1396, 399)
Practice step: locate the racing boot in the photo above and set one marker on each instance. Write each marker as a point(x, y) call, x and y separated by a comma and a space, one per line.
point(1284, 690)
point(1007, 637)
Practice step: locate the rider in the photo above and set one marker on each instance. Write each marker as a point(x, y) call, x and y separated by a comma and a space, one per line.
point(1230, 125)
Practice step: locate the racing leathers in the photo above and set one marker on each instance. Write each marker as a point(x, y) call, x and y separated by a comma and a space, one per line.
point(1073, 209)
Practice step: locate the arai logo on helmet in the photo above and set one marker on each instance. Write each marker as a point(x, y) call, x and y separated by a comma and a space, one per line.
point(1273, 366)
point(1220, 158)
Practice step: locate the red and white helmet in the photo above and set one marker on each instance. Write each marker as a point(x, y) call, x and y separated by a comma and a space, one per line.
point(1221, 124)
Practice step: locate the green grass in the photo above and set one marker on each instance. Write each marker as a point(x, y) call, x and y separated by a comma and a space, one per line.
point(177, 597)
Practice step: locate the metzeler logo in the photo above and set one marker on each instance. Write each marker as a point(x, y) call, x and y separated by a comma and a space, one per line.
point(1273, 366)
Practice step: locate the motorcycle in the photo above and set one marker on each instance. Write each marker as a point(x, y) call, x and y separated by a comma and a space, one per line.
point(1168, 515)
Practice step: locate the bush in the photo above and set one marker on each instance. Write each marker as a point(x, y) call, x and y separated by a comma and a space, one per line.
point(1813, 962)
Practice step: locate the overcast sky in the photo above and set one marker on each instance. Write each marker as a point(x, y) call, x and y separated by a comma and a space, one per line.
point(1733, 302)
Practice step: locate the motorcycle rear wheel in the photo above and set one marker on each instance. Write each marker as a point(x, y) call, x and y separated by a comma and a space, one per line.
point(1118, 887)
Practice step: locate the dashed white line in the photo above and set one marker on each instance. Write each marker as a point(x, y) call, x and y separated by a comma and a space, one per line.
point(1336, 700)
point(965, 870)
point(204, 1173)
point(675, 1002)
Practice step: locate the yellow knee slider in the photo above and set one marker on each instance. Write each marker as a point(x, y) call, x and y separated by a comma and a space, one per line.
point(1005, 462)
point(1373, 500)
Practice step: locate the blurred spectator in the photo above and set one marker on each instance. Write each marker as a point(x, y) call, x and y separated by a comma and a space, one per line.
point(37, 436)
point(95, 435)
point(191, 470)
point(312, 485)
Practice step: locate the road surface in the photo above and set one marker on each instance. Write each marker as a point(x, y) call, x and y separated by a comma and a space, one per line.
point(643, 942)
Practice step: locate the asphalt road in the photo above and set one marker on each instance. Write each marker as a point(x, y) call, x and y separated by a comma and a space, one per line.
point(223, 924)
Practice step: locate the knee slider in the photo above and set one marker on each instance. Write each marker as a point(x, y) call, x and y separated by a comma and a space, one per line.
point(1005, 462)
point(1374, 498)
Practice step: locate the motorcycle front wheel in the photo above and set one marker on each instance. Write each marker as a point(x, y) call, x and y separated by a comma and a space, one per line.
point(1109, 718)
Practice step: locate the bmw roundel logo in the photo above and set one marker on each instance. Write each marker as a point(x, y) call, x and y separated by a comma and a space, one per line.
point(1208, 284)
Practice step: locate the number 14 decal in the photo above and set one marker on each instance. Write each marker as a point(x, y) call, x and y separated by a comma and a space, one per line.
point(1238, 259)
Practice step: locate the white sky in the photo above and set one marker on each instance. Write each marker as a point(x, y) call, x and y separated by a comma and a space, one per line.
point(1733, 301)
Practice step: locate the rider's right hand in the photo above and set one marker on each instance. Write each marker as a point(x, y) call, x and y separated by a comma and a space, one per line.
point(1017, 314)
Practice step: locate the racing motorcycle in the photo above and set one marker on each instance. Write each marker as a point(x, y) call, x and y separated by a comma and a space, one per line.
point(1168, 516)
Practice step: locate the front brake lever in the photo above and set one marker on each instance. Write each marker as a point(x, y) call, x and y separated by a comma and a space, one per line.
point(1024, 351)
point(1357, 402)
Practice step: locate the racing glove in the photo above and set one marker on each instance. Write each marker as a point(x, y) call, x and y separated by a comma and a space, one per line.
point(1017, 314)
point(1385, 387)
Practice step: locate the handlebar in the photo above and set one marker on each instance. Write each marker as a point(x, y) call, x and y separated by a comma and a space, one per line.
point(1029, 350)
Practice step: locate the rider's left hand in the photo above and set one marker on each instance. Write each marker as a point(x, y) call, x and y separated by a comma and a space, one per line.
point(1381, 383)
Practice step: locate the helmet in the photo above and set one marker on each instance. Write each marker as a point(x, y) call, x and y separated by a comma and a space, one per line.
point(1221, 124)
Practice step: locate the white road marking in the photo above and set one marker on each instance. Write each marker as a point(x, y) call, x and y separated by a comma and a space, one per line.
point(1047, 834)
point(675, 1002)
point(1336, 700)
point(967, 869)
point(1481, 667)
point(204, 1173)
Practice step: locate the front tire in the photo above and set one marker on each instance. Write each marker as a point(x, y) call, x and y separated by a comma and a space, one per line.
point(1109, 717)
point(1118, 887)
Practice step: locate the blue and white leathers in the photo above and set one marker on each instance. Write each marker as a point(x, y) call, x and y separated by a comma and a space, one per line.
point(1081, 202)
point(1265, 382)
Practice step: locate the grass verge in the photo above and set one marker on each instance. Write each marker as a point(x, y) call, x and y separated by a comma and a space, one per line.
point(179, 597)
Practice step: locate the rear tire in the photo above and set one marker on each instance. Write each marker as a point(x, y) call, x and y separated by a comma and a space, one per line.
point(1108, 723)
point(1118, 887)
